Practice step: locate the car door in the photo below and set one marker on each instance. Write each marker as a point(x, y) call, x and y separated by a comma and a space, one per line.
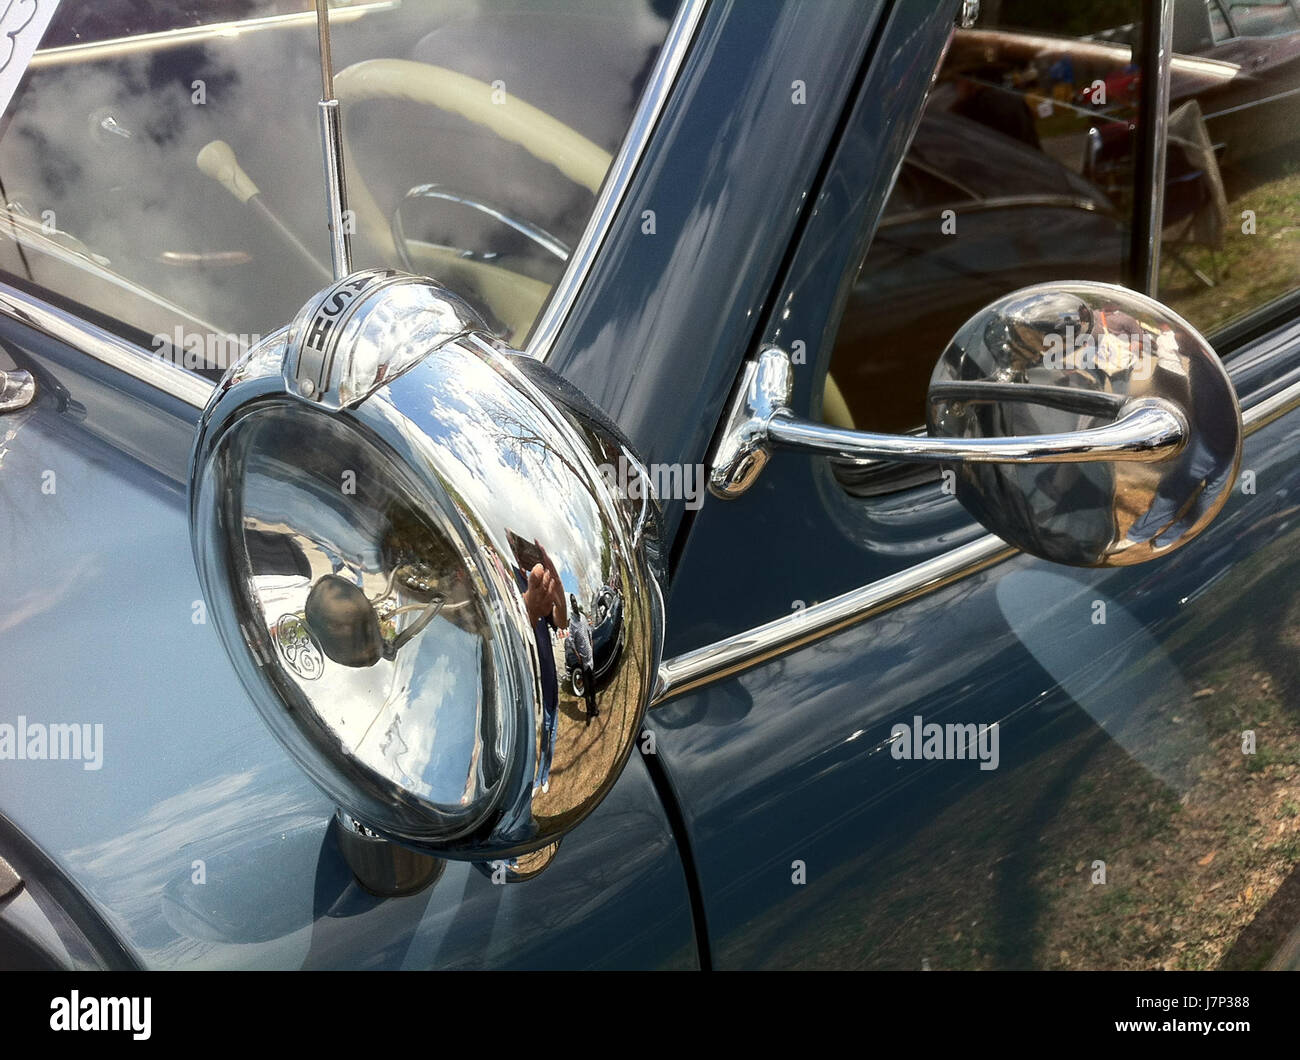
point(1132, 799)
point(181, 835)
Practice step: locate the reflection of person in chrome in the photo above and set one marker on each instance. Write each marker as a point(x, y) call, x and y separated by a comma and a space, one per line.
point(580, 635)
point(543, 594)
point(1177, 501)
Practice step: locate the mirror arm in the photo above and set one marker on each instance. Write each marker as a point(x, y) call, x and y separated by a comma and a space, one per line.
point(1067, 399)
point(1146, 430)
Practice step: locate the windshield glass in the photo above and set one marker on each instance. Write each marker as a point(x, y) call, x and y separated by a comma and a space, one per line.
point(161, 169)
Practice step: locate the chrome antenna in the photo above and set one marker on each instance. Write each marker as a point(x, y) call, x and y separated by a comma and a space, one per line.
point(331, 138)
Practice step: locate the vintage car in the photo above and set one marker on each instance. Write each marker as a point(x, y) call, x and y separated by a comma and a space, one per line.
point(926, 503)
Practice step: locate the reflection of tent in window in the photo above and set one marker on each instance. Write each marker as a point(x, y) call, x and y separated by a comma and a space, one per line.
point(1196, 208)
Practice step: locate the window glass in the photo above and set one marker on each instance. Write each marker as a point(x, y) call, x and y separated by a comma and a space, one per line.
point(1231, 238)
point(160, 163)
point(1262, 19)
point(1219, 28)
point(1023, 171)
point(1020, 172)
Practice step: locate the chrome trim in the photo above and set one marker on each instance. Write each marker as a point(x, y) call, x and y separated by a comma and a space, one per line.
point(117, 47)
point(104, 346)
point(1262, 413)
point(1160, 122)
point(1006, 202)
point(745, 650)
point(1253, 103)
point(613, 191)
point(331, 142)
point(17, 390)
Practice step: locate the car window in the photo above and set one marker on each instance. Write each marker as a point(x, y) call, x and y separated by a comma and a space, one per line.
point(1041, 130)
point(1021, 147)
point(1231, 237)
point(1219, 28)
point(160, 162)
point(1262, 19)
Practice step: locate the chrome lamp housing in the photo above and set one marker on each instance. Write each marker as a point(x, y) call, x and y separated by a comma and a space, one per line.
point(399, 524)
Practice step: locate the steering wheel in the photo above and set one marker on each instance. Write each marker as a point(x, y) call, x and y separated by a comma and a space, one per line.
point(516, 299)
point(541, 135)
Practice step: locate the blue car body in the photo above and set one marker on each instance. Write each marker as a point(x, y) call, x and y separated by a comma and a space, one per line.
point(770, 827)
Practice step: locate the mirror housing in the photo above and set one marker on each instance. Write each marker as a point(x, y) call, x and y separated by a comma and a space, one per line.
point(1066, 358)
point(1084, 423)
point(398, 524)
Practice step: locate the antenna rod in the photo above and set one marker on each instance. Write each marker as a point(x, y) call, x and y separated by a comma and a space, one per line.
point(331, 137)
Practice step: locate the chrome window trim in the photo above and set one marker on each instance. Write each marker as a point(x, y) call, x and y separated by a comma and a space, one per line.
point(119, 47)
point(742, 651)
point(1154, 220)
point(676, 46)
point(104, 346)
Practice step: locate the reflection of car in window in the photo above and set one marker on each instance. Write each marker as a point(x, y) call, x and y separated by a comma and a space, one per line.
point(996, 186)
point(1027, 147)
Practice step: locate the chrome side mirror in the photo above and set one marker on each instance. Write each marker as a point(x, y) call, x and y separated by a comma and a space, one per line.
point(399, 526)
point(1084, 423)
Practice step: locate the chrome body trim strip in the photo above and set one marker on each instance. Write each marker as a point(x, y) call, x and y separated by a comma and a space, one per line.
point(1262, 413)
point(745, 650)
point(104, 346)
point(612, 192)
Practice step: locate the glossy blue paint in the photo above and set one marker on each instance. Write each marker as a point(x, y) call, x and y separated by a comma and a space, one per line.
point(1120, 741)
point(99, 627)
point(1110, 745)
point(665, 320)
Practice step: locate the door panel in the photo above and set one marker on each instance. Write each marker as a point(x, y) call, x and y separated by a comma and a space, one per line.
point(1124, 824)
point(1119, 743)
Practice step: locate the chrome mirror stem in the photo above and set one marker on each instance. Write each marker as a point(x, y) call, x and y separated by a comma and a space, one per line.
point(1145, 430)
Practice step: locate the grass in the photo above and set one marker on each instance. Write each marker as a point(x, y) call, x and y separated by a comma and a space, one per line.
point(1251, 270)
